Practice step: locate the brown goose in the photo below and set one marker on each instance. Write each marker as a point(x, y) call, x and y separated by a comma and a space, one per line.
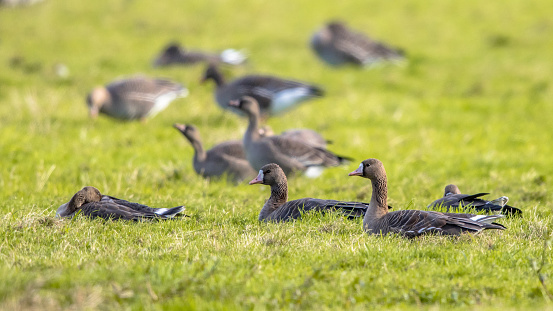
point(453, 199)
point(337, 45)
point(290, 154)
point(226, 158)
point(278, 208)
point(274, 95)
point(306, 136)
point(411, 223)
point(134, 98)
point(175, 54)
point(90, 202)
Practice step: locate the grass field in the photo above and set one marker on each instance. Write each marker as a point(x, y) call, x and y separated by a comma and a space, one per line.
point(472, 106)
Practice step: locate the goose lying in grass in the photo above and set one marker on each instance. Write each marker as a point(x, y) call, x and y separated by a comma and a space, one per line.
point(176, 54)
point(90, 202)
point(134, 98)
point(453, 199)
point(290, 154)
point(278, 208)
point(412, 223)
point(337, 45)
point(225, 158)
point(274, 95)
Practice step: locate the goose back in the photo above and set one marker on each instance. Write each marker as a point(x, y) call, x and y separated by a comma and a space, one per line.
point(274, 95)
point(336, 44)
point(135, 98)
point(454, 200)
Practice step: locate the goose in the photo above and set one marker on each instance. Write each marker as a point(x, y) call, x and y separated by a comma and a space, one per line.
point(307, 136)
point(453, 199)
point(412, 223)
point(274, 95)
point(337, 45)
point(90, 202)
point(134, 98)
point(226, 158)
point(176, 54)
point(278, 208)
point(290, 154)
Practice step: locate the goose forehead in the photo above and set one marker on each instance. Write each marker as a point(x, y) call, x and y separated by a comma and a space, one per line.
point(361, 166)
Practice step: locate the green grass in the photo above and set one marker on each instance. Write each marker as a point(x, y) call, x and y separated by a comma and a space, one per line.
point(472, 107)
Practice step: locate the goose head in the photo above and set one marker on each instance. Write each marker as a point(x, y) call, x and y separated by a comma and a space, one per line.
point(371, 168)
point(172, 51)
point(269, 174)
point(189, 131)
point(96, 99)
point(246, 104)
point(451, 189)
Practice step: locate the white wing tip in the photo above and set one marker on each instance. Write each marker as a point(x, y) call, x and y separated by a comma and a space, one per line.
point(161, 211)
point(486, 218)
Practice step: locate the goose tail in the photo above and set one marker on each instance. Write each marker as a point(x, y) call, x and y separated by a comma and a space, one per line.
point(488, 221)
point(344, 159)
point(511, 211)
point(316, 91)
point(233, 57)
point(169, 212)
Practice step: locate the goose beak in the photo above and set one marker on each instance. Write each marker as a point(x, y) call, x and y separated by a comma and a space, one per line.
point(358, 171)
point(180, 127)
point(234, 103)
point(258, 179)
point(93, 112)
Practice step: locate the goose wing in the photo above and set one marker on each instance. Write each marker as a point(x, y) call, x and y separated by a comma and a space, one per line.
point(305, 154)
point(294, 209)
point(112, 210)
point(413, 223)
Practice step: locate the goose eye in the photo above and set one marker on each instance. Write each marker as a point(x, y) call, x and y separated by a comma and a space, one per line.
point(267, 171)
point(367, 165)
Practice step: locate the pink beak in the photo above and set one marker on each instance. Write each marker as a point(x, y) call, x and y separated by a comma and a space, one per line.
point(234, 103)
point(180, 127)
point(93, 112)
point(357, 172)
point(258, 179)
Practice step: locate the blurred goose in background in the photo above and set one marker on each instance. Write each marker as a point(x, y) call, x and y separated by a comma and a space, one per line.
point(278, 208)
point(176, 54)
point(337, 45)
point(306, 136)
point(412, 223)
point(225, 158)
point(274, 95)
point(18, 2)
point(453, 199)
point(134, 98)
point(290, 154)
point(90, 202)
